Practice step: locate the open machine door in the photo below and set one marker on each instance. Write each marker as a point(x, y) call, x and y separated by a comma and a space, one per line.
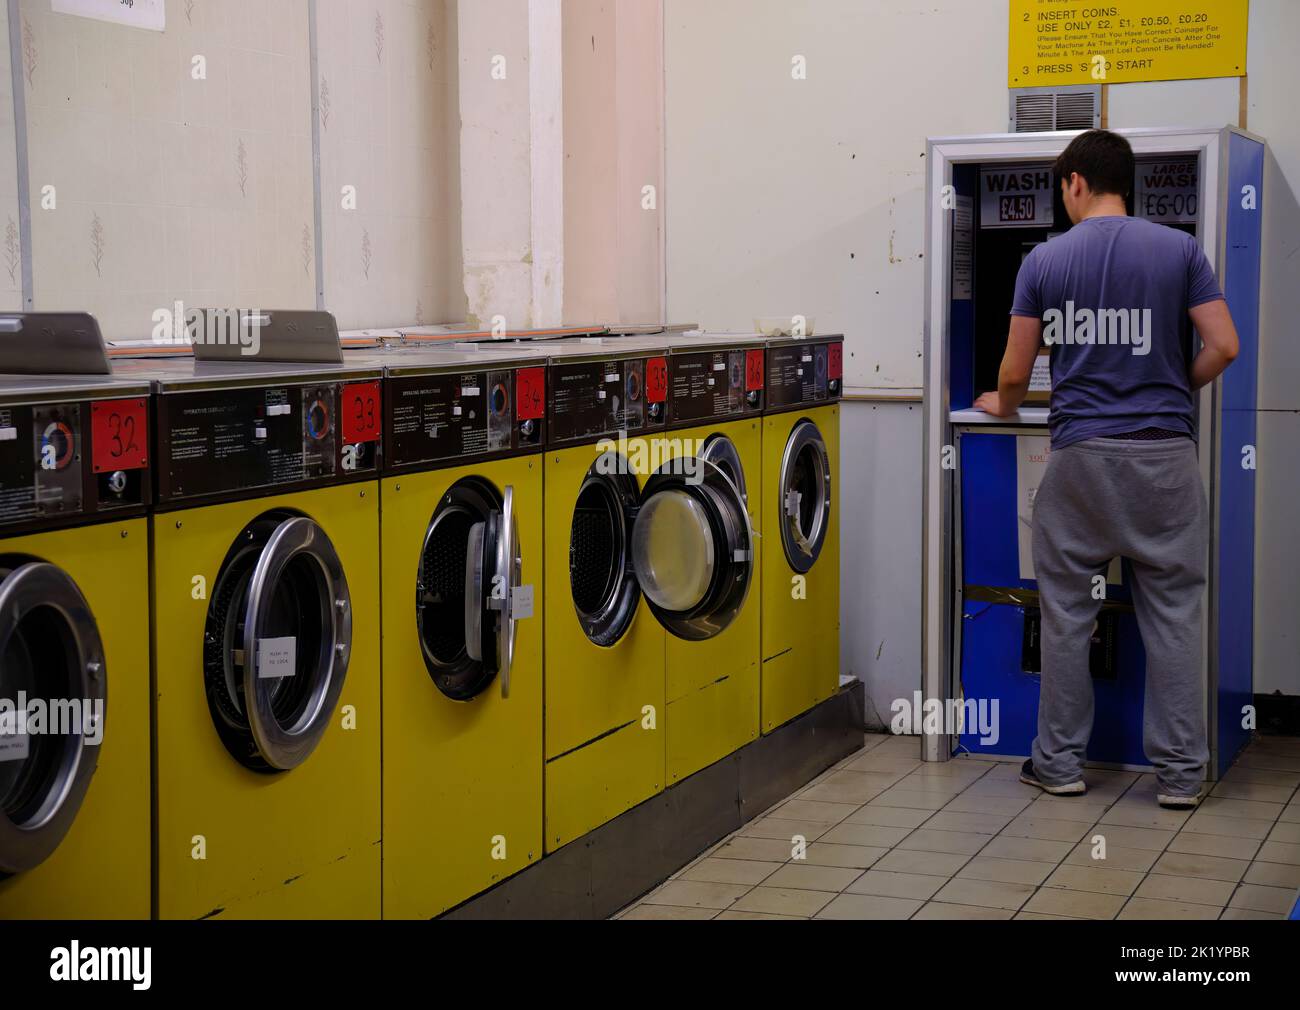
point(279, 635)
point(805, 489)
point(469, 592)
point(52, 668)
point(693, 548)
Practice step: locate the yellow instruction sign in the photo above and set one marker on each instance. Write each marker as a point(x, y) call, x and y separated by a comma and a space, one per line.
point(1068, 42)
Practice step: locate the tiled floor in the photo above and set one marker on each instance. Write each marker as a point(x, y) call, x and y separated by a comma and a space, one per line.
point(889, 837)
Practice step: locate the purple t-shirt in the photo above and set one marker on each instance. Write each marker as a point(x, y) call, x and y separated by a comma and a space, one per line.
point(1113, 294)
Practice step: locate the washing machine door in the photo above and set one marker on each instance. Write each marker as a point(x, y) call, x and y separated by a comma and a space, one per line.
point(722, 453)
point(804, 488)
point(297, 640)
point(693, 549)
point(53, 694)
point(602, 579)
point(493, 587)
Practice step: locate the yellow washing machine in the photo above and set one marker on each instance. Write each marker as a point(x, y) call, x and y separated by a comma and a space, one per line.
point(623, 523)
point(712, 662)
point(74, 628)
point(266, 627)
point(462, 623)
point(801, 557)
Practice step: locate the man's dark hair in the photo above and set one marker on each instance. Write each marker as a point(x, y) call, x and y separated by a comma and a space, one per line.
point(1104, 159)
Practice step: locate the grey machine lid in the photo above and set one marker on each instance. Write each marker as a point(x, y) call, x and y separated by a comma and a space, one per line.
point(49, 357)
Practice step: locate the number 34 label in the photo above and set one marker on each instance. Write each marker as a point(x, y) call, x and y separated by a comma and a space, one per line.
point(119, 435)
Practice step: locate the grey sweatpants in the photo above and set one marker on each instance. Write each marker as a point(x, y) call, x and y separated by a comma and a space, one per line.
point(1144, 501)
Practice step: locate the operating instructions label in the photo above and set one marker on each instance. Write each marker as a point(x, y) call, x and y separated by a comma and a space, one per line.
point(1056, 42)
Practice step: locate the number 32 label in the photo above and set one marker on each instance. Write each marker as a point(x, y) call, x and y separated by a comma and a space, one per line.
point(119, 435)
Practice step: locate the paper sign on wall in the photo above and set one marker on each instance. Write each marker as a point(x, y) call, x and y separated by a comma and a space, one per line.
point(1016, 196)
point(1032, 454)
point(1064, 42)
point(1167, 190)
point(963, 249)
point(150, 14)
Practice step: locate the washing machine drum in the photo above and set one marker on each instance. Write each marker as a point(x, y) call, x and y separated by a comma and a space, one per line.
point(805, 496)
point(684, 542)
point(278, 641)
point(467, 590)
point(53, 694)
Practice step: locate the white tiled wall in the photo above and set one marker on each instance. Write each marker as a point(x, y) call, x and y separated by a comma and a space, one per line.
point(389, 128)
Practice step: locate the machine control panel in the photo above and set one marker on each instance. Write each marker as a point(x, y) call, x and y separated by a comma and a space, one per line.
point(721, 384)
point(226, 441)
point(593, 398)
point(804, 373)
point(451, 415)
point(63, 461)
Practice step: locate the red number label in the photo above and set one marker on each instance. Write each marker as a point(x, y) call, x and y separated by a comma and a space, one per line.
point(656, 380)
point(837, 362)
point(530, 393)
point(755, 371)
point(363, 419)
point(119, 435)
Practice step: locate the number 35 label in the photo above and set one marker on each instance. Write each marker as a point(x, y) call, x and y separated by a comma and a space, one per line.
point(119, 435)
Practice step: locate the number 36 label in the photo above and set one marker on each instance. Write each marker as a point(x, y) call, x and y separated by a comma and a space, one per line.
point(119, 435)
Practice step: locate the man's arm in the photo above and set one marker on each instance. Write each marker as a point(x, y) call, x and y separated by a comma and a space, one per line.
point(1220, 344)
point(1023, 344)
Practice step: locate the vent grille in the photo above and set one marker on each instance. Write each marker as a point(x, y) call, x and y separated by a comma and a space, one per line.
point(1039, 110)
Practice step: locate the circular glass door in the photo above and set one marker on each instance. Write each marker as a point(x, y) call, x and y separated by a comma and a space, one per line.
point(605, 592)
point(53, 694)
point(470, 567)
point(722, 453)
point(277, 642)
point(692, 549)
point(805, 496)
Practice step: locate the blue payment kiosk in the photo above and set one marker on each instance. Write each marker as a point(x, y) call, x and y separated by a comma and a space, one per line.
point(991, 199)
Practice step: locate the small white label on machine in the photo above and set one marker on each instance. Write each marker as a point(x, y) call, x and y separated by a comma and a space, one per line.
point(277, 658)
point(521, 602)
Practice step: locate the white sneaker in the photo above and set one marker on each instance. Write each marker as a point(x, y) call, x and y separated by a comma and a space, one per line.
point(1179, 802)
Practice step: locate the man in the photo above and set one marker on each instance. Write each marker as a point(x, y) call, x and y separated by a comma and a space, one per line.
point(1114, 298)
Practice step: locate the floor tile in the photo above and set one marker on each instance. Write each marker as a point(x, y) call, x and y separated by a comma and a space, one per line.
point(1291, 815)
point(1279, 852)
point(675, 912)
point(885, 764)
point(890, 817)
point(815, 810)
point(896, 885)
point(1102, 879)
point(866, 906)
point(1117, 857)
point(982, 824)
point(1215, 845)
point(865, 834)
point(783, 901)
point(942, 864)
point(784, 829)
point(1250, 809)
point(1046, 829)
point(1153, 908)
point(1038, 849)
point(1184, 864)
point(1273, 875)
point(1288, 833)
point(1254, 791)
point(959, 842)
point(985, 893)
point(803, 877)
point(1024, 915)
point(1260, 898)
point(944, 910)
point(1076, 904)
point(974, 802)
point(765, 850)
point(1068, 808)
point(1144, 815)
point(1135, 838)
point(1246, 913)
point(910, 799)
point(696, 894)
point(848, 856)
point(1007, 871)
point(1262, 775)
point(1197, 890)
point(730, 871)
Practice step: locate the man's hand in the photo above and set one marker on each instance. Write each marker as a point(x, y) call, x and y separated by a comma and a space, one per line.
point(991, 403)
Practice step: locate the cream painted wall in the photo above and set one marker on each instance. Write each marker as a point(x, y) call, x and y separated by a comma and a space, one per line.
point(390, 127)
point(11, 270)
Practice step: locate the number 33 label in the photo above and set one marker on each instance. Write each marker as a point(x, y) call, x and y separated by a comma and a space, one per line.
point(119, 435)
